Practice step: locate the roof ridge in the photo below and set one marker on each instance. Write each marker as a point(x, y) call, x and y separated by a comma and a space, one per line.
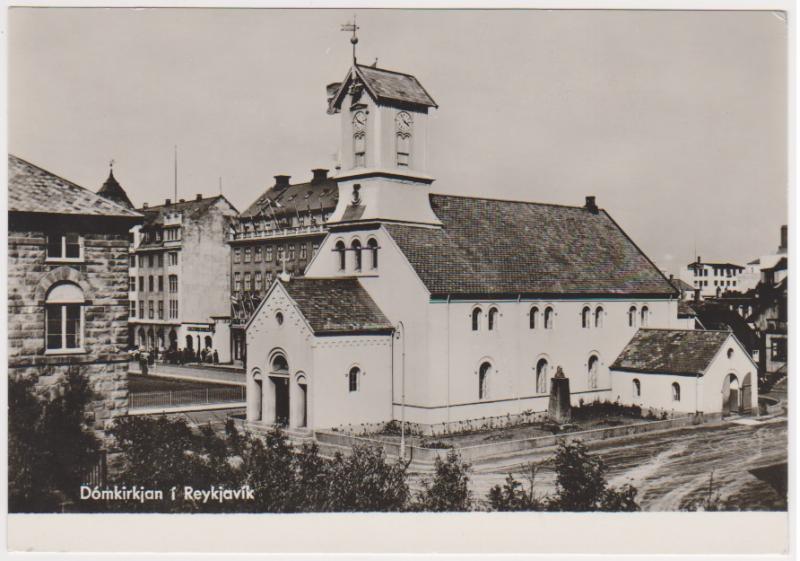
point(685, 329)
point(559, 205)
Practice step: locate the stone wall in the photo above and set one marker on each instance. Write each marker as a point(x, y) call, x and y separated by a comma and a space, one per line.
point(103, 277)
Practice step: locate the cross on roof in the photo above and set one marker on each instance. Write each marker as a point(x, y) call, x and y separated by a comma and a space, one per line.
point(354, 39)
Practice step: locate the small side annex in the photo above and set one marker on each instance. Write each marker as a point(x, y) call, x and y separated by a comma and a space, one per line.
point(686, 371)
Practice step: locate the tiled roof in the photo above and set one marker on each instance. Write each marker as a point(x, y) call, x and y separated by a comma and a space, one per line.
point(671, 351)
point(682, 285)
point(336, 305)
point(685, 310)
point(394, 86)
point(504, 247)
point(34, 189)
point(717, 264)
point(295, 198)
point(190, 209)
point(112, 190)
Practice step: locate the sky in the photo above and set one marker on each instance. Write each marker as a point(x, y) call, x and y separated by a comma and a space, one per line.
point(675, 121)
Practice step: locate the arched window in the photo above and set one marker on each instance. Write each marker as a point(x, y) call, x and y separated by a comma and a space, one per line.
point(541, 376)
point(279, 318)
point(645, 315)
point(632, 316)
point(372, 243)
point(637, 388)
point(352, 378)
point(340, 249)
point(592, 371)
point(64, 317)
point(534, 317)
point(598, 316)
point(586, 317)
point(676, 391)
point(548, 318)
point(477, 313)
point(492, 318)
point(730, 353)
point(355, 245)
point(483, 380)
point(360, 139)
point(280, 365)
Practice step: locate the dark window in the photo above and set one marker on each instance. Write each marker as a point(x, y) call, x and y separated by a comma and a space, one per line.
point(637, 388)
point(160, 283)
point(492, 319)
point(676, 392)
point(632, 316)
point(585, 317)
point(541, 376)
point(476, 319)
point(340, 249)
point(598, 316)
point(534, 317)
point(483, 380)
point(63, 246)
point(372, 243)
point(548, 318)
point(352, 378)
point(355, 245)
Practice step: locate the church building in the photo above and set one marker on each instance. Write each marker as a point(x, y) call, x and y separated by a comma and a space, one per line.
point(441, 308)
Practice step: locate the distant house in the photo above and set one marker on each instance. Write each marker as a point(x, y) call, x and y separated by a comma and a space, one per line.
point(68, 284)
point(712, 279)
point(686, 371)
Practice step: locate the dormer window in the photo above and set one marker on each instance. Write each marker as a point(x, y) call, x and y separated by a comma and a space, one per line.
point(360, 139)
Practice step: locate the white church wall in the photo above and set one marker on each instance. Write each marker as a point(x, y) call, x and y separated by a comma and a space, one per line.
point(656, 391)
point(334, 404)
point(740, 365)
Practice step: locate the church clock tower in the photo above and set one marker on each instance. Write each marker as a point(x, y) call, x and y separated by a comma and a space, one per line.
point(384, 128)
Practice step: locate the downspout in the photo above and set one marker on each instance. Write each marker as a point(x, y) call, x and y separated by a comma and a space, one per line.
point(448, 363)
point(516, 379)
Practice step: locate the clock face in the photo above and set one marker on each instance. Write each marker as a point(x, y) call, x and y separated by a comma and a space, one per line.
point(360, 120)
point(404, 121)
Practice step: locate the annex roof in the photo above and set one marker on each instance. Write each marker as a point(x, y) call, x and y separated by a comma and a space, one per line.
point(386, 86)
point(682, 285)
point(495, 247)
point(192, 208)
point(671, 351)
point(333, 306)
point(34, 189)
point(300, 198)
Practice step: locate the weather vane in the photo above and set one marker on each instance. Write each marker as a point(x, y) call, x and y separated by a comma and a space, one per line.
point(111, 164)
point(354, 39)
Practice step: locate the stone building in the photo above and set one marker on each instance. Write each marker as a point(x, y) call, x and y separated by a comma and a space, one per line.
point(283, 228)
point(179, 284)
point(440, 308)
point(68, 284)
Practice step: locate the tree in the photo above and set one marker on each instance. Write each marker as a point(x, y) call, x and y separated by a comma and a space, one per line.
point(449, 489)
point(51, 446)
point(364, 481)
point(581, 483)
point(513, 496)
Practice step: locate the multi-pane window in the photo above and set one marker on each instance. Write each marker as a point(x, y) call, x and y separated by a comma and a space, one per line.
point(269, 277)
point(173, 257)
point(173, 309)
point(141, 260)
point(257, 255)
point(237, 255)
point(258, 281)
point(63, 317)
point(172, 234)
point(150, 283)
point(160, 283)
point(160, 309)
point(279, 254)
point(303, 251)
point(237, 282)
point(63, 246)
point(160, 259)
point(314, 249)
point(247, 285)
point(150, 311)
point(141, 309)
point(173, 283)
point(133, 260)
point(133, 284)
point(268, 254)
point(133, 309)
point(248, 254)
point(141, 283)
point(291, 252)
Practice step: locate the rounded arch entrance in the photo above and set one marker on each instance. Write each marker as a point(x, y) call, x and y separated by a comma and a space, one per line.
point(736, 394)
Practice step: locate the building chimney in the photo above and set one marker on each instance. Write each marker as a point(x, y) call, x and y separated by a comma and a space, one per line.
point(182, 201)
point(696, 294)
point(320, 175)
point(145, 205)
point(198, 197)
point(591, 205)
point(671, 277)
point(282, 181)
point(699, 259)
point(784, 238)
point(168, 202)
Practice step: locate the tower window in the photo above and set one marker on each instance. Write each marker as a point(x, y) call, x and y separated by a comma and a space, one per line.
point(372, 243)
point(403, 123)
point(592, 371)
point(548, 318)
point(534, 317)
point(340, 250)
point(355, 245)
point(352, 378)
point(541, 376)
point(645, 315)
point(492, 319)
point(483, 380)
point(360, 139)
point(598, 316)
point(476, 319)
point(632, 316)
point(585, 317)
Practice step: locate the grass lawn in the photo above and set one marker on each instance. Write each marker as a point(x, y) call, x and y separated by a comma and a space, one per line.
point(144, 384)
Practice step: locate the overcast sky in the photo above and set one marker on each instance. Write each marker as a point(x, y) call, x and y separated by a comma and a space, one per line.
point(676, 121)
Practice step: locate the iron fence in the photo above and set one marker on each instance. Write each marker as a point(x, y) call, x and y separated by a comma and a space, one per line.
point(177, 398)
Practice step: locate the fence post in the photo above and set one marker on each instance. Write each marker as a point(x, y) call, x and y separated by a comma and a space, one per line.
point(207, 402)
point(170, 398)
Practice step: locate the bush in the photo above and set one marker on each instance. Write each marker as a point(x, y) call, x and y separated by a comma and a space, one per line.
point(513, 496)
point(599, 409)
point(448, 491)
point(364, 481)
point(51, 446)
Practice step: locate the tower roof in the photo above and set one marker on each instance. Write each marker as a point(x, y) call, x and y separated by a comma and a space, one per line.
point(385, 86)
point(113, 191)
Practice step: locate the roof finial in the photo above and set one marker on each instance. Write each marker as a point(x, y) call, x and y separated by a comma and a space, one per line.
point(354, 39)
point(111, 167)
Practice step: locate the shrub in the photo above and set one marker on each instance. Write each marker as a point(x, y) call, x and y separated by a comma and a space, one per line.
point(448, 491)
point(513, 496)
point(50, 442)
point(365, 481)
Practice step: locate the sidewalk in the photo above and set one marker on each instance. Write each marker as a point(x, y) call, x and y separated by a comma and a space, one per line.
point(198, 373)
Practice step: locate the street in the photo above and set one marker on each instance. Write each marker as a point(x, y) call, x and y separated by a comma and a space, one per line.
point(672, 469)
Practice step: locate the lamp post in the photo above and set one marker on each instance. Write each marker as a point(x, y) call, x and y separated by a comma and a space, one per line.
point(401, 334)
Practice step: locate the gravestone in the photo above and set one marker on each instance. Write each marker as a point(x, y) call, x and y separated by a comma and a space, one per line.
point(559, 409)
